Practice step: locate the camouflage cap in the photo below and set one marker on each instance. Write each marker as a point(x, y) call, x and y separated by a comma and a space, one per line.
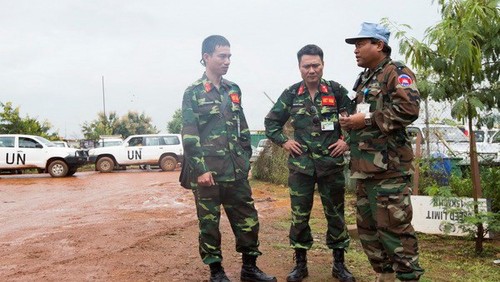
point(371, 30)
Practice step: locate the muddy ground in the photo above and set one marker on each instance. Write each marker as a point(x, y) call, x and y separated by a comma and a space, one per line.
point(129, 225)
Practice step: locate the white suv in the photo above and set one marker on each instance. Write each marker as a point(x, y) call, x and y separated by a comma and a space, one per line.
point(19, 152)
point(164, 150)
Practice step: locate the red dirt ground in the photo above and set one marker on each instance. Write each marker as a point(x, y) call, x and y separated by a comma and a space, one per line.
point(123, 226)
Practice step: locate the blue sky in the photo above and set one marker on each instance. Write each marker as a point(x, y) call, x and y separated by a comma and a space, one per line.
point(54, 53)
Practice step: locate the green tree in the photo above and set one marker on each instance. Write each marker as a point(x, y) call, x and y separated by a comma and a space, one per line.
point(175, 125)
point(11, 122)
point(459, 57)
point(101, 126)
point(130, 124)
point(134, 123)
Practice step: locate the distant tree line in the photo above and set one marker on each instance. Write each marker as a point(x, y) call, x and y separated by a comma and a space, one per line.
point(11, 122)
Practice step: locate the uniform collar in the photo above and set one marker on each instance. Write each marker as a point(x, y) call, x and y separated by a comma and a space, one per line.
point(323, 87)
point(209, 85)
point(381, 65)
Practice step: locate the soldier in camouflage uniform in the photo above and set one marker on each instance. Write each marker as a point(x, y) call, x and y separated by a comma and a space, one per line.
point(316, 157)
point(381, 156)
point(217, 152)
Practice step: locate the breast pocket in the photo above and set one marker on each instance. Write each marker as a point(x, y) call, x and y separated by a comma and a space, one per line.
point(207, 113)
point(209, 108)
point(375, 98)
point(329, 113)
point(298, 114)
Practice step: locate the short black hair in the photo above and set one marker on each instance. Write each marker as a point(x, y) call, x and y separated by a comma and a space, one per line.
point(386, 49)
point(210, 43)
point(310, 49)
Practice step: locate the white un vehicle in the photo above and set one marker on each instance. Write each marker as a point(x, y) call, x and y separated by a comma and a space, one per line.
point(19, 152)
point(164, 150)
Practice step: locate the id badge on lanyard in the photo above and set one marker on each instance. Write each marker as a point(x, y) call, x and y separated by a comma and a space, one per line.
point(327, 125)
point(363, 107)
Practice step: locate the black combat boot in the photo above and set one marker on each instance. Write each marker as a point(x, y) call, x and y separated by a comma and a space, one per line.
point(251, 273)
point(217, 273)
point(299, 272)
point(339, 270)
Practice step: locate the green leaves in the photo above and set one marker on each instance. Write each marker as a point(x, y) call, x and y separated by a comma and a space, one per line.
point(11, 122)
point(466, 106)
point(129, 124)
point(175, 125)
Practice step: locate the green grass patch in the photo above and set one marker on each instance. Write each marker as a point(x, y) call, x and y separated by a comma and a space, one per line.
point(444, 258)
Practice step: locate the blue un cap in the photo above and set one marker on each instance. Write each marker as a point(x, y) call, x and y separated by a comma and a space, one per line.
point(371, 30)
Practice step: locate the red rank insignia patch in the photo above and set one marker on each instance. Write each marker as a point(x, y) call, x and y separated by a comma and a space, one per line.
point(234, 97)
point(323, 88)
point(405, 80)
point(208, 87)
point(301, 90)
point(328, 101)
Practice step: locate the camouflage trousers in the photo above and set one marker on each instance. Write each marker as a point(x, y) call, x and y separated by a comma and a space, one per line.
point(384, 214)
point(331, 189)
point(236, 198)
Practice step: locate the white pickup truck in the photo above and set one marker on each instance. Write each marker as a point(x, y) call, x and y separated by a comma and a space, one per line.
point(164, 150)
point(20, 152)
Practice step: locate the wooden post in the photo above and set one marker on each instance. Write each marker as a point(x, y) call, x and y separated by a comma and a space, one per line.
point(418, 156)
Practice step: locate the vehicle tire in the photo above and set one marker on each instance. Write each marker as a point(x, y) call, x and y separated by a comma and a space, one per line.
point(58, 168)
point(168, 163)
point(105, 164)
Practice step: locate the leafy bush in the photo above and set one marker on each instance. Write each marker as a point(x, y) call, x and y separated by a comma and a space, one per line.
point(461, 185)
point(271, 165)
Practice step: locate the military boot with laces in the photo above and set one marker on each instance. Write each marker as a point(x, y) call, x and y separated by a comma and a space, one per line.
point(217, 273)
point(339, 270)
point(299, 272)
point(251, 273)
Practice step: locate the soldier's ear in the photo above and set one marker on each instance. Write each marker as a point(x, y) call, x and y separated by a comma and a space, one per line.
point(205, 57)
point(380, 45)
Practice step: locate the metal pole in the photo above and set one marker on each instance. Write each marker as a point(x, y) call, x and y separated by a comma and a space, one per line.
point(103, 98)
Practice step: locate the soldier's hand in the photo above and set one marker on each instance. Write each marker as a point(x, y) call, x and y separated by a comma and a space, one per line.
point(356, 121)
point(206, 179)
point(292, 147)
point(338, 148)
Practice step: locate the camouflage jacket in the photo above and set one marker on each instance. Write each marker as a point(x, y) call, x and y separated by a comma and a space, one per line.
point(307, 117)
point(383, 150)
point(215, 133)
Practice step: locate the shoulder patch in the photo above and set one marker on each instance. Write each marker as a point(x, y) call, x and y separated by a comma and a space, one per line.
point(234, 97)
point(405, 80)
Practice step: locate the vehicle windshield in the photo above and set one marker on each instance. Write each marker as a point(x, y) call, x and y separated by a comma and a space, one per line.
point(449, 134)
point(496, 138)
point(45, 141)
point(479, 136)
